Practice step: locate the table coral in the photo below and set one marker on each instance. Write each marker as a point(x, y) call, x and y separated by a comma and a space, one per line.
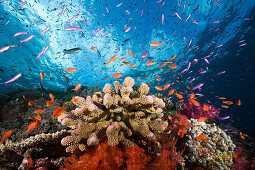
point(117, 115)
point(209, 146)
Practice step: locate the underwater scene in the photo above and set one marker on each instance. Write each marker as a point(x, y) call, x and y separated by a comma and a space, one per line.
point(127, 84)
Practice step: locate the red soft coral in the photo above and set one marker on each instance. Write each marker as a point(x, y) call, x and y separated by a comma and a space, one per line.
point(136, 158)
point(240, 162)
point(180, 124)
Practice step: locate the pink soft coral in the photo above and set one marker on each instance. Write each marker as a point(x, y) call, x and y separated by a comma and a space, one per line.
point(192, 111)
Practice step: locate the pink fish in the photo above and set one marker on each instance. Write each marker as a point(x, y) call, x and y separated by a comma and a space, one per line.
point(3, 2)
point(4, 49)
point(70, 20)
point(242, 44)
point(64, 9)
point(45, 30)
point(13, 79)
point(85, 21)
point(127, 29)
point(7, 22)
point(27, 39)
point(162, 4)
point(23, 3)
point(177, 15)
point(32, 23)
point(159, 1)
point(119, 4)
point(72, 28)
point(99, 30)
point(162, 19)
point(127, 12)
point(187, 18)
point(107, 9)
point(106, 35)
point(142, 13)
point(206, 61)
point(189, 43)
point(214, 22)
point(42, 52)
point(183, 8)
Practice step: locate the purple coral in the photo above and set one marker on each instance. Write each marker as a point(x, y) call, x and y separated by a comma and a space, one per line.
point(192, 111)
point(47, 163)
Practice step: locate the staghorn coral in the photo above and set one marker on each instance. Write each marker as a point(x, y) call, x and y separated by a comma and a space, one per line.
point(117, 115)
point(208, 146)
point(12, 154)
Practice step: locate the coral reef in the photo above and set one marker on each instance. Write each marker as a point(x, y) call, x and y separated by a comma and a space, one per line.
point(47, 163)
point(208, 146)
point(180, 124)
point(188, 109)
point(104, 156)
point(12, 154)
point(117, 115)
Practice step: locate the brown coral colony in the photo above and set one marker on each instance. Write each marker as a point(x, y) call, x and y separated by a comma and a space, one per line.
point(118, 115)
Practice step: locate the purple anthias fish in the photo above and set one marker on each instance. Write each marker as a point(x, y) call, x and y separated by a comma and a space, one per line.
point(224, 118)
point(197, 86)
point(145, 54)
point(13, 79)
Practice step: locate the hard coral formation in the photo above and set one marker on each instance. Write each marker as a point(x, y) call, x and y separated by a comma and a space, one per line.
point(117, 115)
point(11, 154)
point(209, 146)
point(191, 111)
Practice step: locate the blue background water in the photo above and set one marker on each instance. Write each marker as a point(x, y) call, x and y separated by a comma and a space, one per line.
point(237, 83)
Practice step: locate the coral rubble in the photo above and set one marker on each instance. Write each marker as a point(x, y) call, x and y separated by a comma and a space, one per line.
point(118, 114)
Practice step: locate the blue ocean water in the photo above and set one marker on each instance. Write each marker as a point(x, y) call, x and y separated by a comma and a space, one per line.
point(219, 33)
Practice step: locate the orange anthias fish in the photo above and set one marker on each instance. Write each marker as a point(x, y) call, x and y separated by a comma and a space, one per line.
point(71, 69)
point(159, 88)
point(92, 48)
point(193, 101)
point(171, 58)
point(74, 99)
point(39, 111)
point(32, 126)
point(170, 118)
point(179, 96)
point(6, 135)
point(173, 66)
point(77, 87)
point(222, 98)
point(241, 135)
point(50, 103)
point(180, 133)
point(238, 103)
point(166, 86)
point(150, 63)
point(133, 65)
point(51, 96)
point(131, 52)
point(31, 104)
point(109, 62)
point(202, 119)
point(201, 137)
point(116, 75)
point(171, 92)
point(124, 58)
point(127, 63)
point(38, 117)
point(155, 44)
point(228, 102)
point(58, 111)
point(206, 107)
point(235, 155)
point(41, 75)
point(224, 106)
point(192, 96)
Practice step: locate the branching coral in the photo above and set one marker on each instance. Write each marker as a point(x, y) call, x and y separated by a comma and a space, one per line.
point(189, 110)
point(117, 115)
point(209, 146)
